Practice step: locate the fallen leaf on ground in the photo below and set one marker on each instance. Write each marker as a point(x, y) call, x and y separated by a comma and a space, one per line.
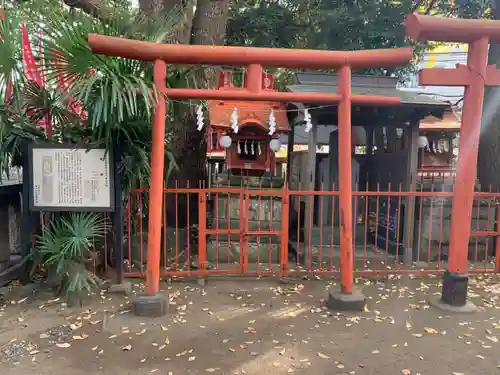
point(127, 348)
point(190, 359)
point(276, 364)
point(429, 330)
point(167, 341)
point(324, 356)
point(340, 365)
point(83, 336)
point(458, 373)
point(141, 332)
point(406, 372)
point(211, 369)
point(375, 352)
point(63, 345)
point(164, 329)
point(479, 356)
point(44, 336)
point(408, 325)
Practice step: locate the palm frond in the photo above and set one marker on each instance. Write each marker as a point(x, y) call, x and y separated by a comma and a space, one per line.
point(65, 245)
point(41, 102)
point(10, 56)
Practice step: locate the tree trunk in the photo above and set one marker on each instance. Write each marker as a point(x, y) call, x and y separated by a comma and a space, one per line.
point(206, 25)
point(489, 144)
point(151, 7)
point(190, 152)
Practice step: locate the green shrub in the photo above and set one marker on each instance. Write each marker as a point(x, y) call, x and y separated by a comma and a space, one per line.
point(65, 247)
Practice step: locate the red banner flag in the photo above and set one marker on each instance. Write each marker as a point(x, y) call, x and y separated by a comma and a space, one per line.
point(30, 67)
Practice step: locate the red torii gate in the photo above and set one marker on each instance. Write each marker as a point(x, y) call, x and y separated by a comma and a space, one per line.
point(254, 59)
point(474, 77)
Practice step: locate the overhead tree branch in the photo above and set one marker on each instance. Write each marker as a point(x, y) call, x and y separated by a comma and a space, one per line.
point(94, 8)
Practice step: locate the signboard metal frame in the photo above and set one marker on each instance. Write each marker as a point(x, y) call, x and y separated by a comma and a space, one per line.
point(30, 171)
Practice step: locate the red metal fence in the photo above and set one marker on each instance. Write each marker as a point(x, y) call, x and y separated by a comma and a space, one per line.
point(296, 232)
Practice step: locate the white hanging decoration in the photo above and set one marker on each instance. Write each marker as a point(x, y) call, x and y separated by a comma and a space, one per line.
point(275, 145)
point(423, 142)
point(239, 148)
point(199, 117)
point(259, 149)
point(446, 146)
point(307, 119)
point(272, 123)
point(246, 148)
point(234, 119)
point(252, 148)
point(440, 146)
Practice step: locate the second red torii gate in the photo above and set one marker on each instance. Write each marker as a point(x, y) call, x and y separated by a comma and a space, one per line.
point(254, 59)
point(474, 77)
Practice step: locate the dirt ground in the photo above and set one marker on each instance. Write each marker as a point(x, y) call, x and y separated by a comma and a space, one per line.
point(256, 326)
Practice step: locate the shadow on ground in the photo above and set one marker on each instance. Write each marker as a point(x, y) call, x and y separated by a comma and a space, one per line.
point(257, 327)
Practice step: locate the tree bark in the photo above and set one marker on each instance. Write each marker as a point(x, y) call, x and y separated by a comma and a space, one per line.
point(489, 144)
point(208, 27)
point(151, 7)
point(95, 8)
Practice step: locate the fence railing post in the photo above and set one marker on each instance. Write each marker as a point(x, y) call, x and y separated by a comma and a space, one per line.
point(202, 231)
point(285, 213)
point(497, 239)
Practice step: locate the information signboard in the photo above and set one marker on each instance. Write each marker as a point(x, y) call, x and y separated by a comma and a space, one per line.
point(66, 178)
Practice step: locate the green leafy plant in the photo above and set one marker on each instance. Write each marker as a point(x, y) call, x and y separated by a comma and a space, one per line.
point(66, 247)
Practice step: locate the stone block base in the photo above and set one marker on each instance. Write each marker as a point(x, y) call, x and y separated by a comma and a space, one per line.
point(454, 294)
point(455, 289)
point(354, 301)
point(262, 252)
point(150, 306)
point(124, 288)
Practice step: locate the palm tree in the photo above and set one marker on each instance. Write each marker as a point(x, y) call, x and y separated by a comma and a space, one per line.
point(115, 93)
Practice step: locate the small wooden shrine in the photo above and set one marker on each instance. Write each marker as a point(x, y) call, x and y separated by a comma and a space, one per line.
point(438, 148)
point(249, 134)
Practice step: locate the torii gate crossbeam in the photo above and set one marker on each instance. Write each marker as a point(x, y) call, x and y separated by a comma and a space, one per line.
point(474, 76)
point(254, 59)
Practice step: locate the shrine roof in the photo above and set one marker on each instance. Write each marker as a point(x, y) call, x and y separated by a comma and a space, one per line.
point(450, 122)
point(362, 85)
point(221, 113)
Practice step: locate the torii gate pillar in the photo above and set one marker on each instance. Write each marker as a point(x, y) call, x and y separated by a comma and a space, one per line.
point(474, 77)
